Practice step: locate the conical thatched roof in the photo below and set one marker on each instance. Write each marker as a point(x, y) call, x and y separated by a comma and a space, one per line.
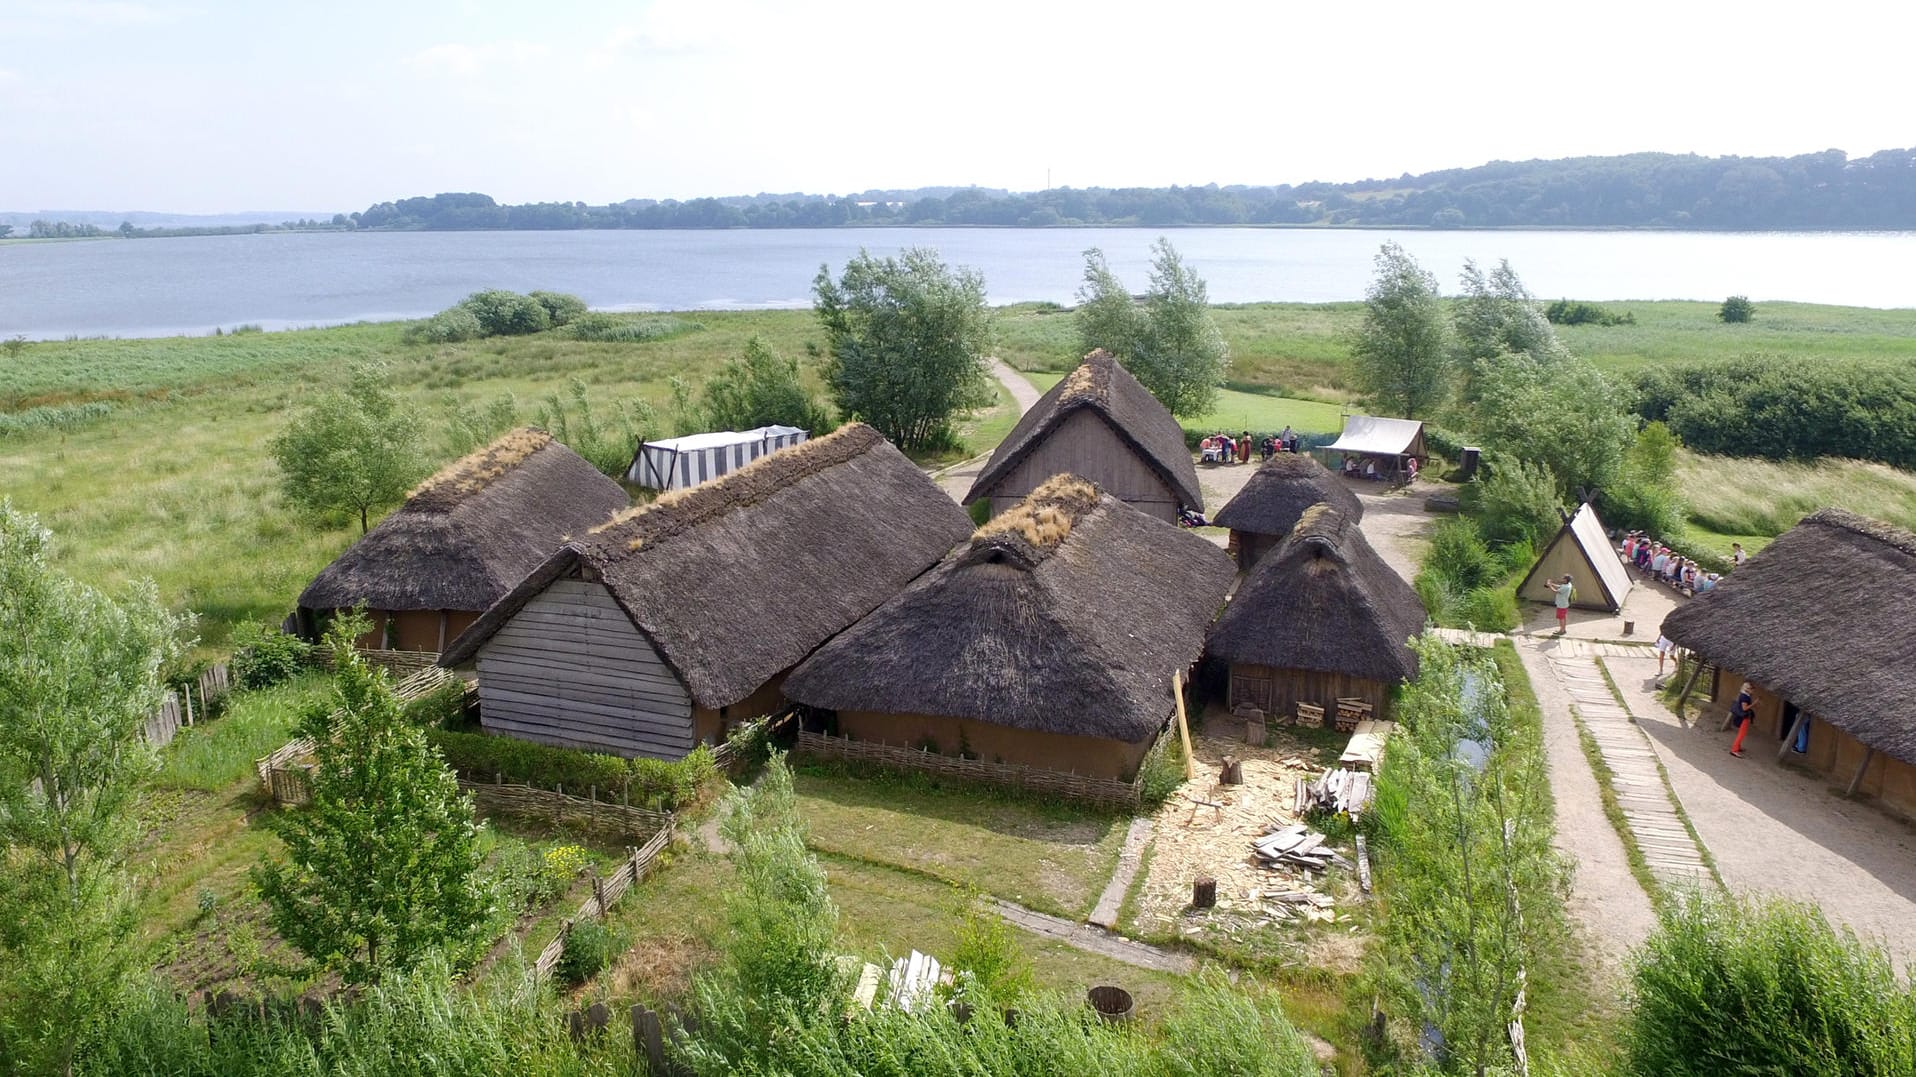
point(1065, 614)
point(738, 578)
point(466, 535)
point(1323, 601)
point(1822, 617)
point(1278, 493)
point(1110, 392)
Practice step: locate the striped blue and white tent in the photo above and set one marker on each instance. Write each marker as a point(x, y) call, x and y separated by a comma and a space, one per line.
point(678, 463)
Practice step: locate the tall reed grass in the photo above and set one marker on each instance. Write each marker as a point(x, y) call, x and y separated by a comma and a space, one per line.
point(1735, 496)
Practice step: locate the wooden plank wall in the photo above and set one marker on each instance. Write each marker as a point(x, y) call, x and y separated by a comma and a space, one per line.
point(1277, 692)
point(1086, 446)
point(570, 669)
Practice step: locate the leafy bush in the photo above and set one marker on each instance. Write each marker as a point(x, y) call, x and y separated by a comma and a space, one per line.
point(761, 388)
point(504, 314)
point(1488, 609)
point(1728, 985)
point(1515, 502)
point(444, 706)
point(1566, 312)
point(1162, 770)
point(1736, 309)
point(589, 948)
point(987, 954)
point(562, 308)
point(1784, 408)
point(481, 756)
point(264, 656)
point(606, 444)
point(1459, 556)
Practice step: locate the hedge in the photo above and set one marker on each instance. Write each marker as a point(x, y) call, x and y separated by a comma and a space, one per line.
point(480, 757)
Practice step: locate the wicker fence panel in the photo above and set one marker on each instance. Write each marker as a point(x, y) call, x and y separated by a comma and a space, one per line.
point(1035, 779)
point(559, 807)
point(605, 894)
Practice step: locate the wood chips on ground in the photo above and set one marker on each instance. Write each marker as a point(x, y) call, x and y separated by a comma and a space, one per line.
point(1194, 839)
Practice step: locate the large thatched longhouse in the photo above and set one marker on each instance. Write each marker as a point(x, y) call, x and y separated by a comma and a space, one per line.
point(653, 632)
point(463, 538)
point(1321, 618)
point(1820, 624)
point(1099, 424)
point(1275, 498)
point(1048, 640)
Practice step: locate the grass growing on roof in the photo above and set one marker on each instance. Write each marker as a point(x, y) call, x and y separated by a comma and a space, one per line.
point(1236, 411)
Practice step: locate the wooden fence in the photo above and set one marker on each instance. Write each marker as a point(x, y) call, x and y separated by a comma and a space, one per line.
point(283, 773)
point(559, 807)
point(177, 711)
point(1015, 775)
point(605, 893)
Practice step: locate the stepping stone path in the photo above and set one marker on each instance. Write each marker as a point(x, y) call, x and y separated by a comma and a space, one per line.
point(1649, 806)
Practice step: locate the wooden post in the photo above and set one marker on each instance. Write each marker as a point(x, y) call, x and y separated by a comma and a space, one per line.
point(1857, 778)
point(1696, 670)
point(1203, 892)
point(598, 892)
point(649, 1038)
point(1233, 773)
point(1363, 864)
point(1789, 738)
point(1184, 729)
point(558, 804)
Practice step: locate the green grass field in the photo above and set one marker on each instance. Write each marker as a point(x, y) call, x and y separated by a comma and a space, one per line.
point(174, 482)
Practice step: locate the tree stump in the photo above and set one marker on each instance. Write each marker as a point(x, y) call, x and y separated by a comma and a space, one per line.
point(1203, 892)
point(1233, 773)
point(1254, 732)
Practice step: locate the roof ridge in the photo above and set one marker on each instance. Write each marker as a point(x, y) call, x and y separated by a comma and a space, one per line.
point(680, 510)
point(1867, 526)
point(1037, 526)
point(450, 486)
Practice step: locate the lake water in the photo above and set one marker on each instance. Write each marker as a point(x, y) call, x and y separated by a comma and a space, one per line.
point(154, 287)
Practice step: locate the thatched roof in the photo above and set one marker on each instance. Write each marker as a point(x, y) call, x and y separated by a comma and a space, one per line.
point(1323, 601)
point(1279, 492)
point(466, 535)
point(738, 578)
point(1822, 617)
point(1110, 392)
point(1067, 613)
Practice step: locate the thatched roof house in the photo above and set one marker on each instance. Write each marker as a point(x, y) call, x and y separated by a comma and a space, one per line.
point(1099, 424)
point(650, 633)
point(1819, 623)
point(1320, 618)
point(1275, 498)
point(463, 538)
point(1049, 639)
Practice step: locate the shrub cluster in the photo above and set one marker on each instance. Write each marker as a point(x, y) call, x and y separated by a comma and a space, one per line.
point(589, 948)
point(611, 329)
point(50, 417)
point(1465, 582)
point(264, 656)
point(481, 757)
point(1784, 409)
point(498, 313)
point(1568, 312)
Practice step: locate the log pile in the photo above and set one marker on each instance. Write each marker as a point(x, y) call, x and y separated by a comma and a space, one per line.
point(1339, 790)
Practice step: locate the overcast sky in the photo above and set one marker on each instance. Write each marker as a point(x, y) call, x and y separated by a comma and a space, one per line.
point(229, 105)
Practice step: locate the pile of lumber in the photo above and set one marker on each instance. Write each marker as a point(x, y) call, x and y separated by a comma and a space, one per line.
point(1339, 790)
point(1296, 846)
point(1350, 712)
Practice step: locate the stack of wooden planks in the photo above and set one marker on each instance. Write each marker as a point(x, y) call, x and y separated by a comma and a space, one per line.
point(1350, 712)
point(1338, 790)
point(1296, 846)
point(1366, 748)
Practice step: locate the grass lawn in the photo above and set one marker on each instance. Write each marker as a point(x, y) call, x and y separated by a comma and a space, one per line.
point(1751, 501)
point(213, 756)
point(1055, 859)
point(1237, 411)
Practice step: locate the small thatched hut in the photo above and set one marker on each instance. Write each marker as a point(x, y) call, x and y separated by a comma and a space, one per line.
point(1819, 623)
point(1099, 424)
point(651, 633)
point(1275, 498)
point(461, 540)
point(1047, 640)
point(1320, 619)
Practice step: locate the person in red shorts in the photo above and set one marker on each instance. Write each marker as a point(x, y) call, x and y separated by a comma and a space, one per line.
point(1743, 713)
point(1564, 588)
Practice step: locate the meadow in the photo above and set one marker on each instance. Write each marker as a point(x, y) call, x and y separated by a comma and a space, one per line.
point(149, 457)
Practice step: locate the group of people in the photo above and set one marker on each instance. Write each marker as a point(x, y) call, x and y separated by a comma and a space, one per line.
point(1667, 567)
point(1406, 468)
point(1222, 448)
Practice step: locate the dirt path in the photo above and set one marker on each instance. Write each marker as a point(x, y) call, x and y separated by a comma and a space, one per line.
point(1777, 829)
point(1396, 525)
point(1095, 940)
point(956, 480)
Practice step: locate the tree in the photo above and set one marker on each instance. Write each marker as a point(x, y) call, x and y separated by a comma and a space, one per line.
point(761, 388)
point(352, 451)
point(5, 230)
point(1565, 415)
point(382, 866)
point(79, 677)
point(1170, 344)
point(907, 340)
point(1401, 348)
point(1736, 310)
point(1107, 316)
point(1495, 317)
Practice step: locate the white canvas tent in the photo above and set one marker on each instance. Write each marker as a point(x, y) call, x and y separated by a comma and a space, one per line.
point(1371, 435)
point(1582, 550)
point(678, 463)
